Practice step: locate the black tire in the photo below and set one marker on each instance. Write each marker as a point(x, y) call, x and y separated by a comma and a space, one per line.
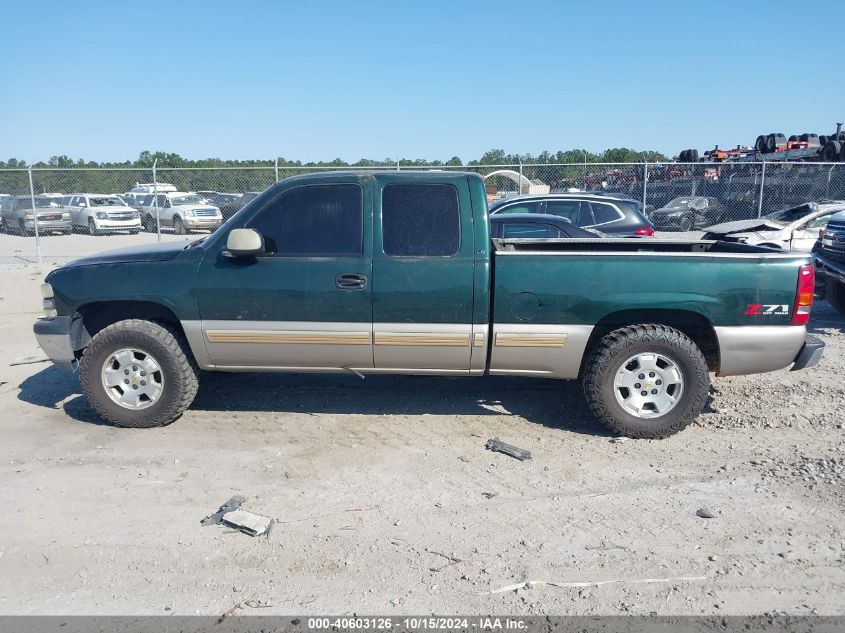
point(168, 347)
point(683, 157)
point(92, 228)
point(822, 140)
point(178, 227)
point(835, 295)
point(830, 152)
point(686, 224)
point(616, 348)
point(793, 138)
point(842, 153)
point(760, 143)
point(770, 143)
point(149, 223)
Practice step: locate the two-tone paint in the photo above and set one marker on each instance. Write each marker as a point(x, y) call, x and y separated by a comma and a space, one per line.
point(489, 308)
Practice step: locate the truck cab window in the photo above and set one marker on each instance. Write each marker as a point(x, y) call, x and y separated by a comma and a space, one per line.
point(420, 220)
point(315, 221)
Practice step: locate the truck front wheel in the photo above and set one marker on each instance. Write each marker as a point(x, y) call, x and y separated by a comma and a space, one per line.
point(646, 381)
point(138, 374)
point(835, 294)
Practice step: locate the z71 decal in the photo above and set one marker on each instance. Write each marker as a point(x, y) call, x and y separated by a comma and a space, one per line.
point(765, 309)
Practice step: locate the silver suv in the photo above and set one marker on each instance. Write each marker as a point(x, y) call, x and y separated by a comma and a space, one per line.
point(18, 216)
point(180, 211)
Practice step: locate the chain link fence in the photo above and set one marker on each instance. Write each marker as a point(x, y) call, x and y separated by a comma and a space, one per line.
point(738, 190)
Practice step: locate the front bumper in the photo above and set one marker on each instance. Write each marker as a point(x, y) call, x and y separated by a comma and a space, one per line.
point(54, 337)
point(828, 268)
point(48, 225)
point(202, 223)
point(118, 225)
point(811, 353)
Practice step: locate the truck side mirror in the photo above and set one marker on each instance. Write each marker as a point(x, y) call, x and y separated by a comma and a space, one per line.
point(244, 243)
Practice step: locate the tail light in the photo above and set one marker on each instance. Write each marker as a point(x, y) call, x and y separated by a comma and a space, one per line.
point(644, 231)
point(804, 295)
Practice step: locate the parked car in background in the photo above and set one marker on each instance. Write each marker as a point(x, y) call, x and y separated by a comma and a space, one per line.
point(101, 213)
point(536, 226)
point(230, 203)
point(615, 216)
point(687, 213)
point(19, 217)
point(830, 262)
point(794, 229)
point(180, 211)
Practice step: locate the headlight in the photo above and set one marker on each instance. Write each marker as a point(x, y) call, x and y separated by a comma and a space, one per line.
point(135, 215)
point(189, 213)
point(102, 215)
point(47, 291)
point(65, 216)
point(28, 216)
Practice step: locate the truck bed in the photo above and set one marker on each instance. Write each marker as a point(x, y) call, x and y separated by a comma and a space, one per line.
point(607, 246)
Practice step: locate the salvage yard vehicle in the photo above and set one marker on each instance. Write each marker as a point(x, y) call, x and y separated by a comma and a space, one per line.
point(687, 213)
point(608, 214)
point(395, 272)
point(99, 214)
point(18, 217)
point(830, 262)
point(794, 229)
point(182, 212)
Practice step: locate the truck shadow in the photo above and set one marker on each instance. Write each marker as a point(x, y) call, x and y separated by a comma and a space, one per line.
point(551, 403)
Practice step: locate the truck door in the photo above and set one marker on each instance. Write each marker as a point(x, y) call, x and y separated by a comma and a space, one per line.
point(422, 274)
point(306, 303)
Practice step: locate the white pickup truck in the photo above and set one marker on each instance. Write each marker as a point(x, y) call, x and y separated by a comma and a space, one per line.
point(98, 213)
point(180, 211)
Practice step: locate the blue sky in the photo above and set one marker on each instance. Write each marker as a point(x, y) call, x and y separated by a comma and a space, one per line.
point(432, 79)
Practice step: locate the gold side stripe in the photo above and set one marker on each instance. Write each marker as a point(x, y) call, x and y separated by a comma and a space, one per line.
point(504, 339)
point(288, 338)
point(478, 340)
point(421, 339)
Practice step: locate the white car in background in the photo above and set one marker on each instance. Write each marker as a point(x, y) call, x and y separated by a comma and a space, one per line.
point(180, 211)
point(795, 229)
point(99, 213)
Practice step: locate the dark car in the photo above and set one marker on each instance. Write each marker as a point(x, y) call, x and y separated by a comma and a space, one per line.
point(608, 214)
point(687, 213)
point(536, 226)
point(230, 203)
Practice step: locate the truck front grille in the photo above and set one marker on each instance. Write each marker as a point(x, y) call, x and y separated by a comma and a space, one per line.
point(205, 213)
point(126, 215)
point(833, 244)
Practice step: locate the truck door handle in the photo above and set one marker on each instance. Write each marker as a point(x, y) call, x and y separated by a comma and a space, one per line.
point(350, 281)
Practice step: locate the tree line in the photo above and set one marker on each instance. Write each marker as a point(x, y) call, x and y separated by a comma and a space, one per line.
point(173, 160)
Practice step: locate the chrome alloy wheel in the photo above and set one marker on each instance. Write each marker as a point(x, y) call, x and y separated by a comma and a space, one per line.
point(133, 379)
point(648, 385)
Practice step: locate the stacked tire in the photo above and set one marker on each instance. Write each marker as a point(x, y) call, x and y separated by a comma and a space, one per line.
point(688, 156)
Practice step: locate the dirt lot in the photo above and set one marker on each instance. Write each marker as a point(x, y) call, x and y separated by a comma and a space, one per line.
point(386, 501)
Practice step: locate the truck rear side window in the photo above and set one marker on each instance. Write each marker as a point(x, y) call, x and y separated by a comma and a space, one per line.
point(314, 221)
point(420, 220)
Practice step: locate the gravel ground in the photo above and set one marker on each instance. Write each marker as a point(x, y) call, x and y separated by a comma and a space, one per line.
point(385, 500)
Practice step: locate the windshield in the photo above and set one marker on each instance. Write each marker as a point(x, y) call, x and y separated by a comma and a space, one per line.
point(42, 203)
point(190, 198)
point(112, 201)
point(679, 203)
point(787, 216)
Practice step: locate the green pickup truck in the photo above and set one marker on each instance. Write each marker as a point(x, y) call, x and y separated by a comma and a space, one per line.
point(395, 272)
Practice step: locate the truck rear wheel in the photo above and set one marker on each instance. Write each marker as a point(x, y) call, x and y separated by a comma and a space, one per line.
point(138, 374)
point(646, 381)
